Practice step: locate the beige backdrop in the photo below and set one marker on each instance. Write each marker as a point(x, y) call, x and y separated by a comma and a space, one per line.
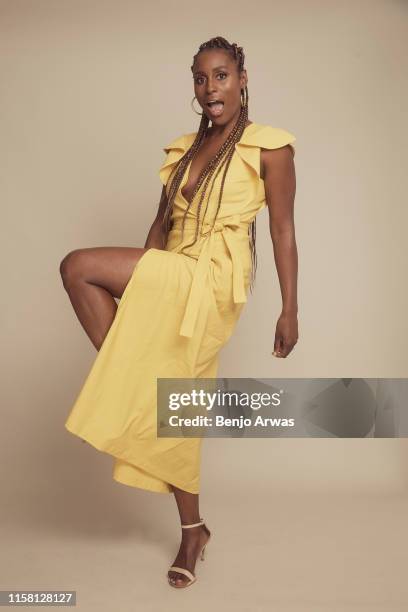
point(90, 93)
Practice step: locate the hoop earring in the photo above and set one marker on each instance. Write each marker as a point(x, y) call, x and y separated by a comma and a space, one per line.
point(243, 98)
point(192, 106)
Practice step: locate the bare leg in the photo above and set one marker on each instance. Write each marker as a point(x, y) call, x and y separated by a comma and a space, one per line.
point(192, 540)
point(92, 278)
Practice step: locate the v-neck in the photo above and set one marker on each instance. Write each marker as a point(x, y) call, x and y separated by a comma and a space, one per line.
point(187, 172)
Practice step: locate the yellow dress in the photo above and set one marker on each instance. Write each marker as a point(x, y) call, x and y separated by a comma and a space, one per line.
point(176, 313)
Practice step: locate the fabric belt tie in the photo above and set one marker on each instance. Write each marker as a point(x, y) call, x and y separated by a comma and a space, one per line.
point(227, 226)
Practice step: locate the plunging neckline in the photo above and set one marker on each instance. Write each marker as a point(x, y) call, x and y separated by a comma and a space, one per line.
point(187, 172)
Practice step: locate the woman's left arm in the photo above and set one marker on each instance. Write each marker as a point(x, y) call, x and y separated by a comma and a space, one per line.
point(280, 189)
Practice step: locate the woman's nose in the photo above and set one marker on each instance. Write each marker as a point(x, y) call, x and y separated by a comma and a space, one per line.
point(210, 85)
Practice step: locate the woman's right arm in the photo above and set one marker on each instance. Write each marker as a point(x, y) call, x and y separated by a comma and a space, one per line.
point(155, 237)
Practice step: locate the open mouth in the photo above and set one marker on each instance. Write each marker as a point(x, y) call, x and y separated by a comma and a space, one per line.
point(215, 107)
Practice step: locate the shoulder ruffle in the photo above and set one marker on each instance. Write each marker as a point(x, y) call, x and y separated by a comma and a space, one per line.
point(248, 148)
point(262, 137)
point(175, 151)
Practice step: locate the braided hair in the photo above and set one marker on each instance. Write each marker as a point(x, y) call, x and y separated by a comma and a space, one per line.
point(220, 161)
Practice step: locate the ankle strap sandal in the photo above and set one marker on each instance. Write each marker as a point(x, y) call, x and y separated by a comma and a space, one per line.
point(182, 570)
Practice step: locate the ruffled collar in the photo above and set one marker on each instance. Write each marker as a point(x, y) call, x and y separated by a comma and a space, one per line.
point(254, 137)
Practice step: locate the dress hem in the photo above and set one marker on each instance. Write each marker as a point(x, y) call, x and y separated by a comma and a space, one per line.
point(145, 487)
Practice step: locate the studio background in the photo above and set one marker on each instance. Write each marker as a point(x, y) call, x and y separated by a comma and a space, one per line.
point(91, 93)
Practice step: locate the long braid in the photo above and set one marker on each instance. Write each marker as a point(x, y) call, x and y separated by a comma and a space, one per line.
point(220, 161)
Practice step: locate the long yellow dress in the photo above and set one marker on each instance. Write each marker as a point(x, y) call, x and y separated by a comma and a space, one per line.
point(176, 313)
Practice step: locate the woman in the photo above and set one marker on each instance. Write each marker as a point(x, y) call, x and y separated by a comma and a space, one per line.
point(182, 294)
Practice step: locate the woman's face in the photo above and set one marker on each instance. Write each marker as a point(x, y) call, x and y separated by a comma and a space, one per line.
point(215, 76)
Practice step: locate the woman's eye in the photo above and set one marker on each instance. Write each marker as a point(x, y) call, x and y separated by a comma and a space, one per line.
point(199, 80)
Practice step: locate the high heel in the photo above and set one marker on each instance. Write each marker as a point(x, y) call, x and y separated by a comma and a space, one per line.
point(182, 570)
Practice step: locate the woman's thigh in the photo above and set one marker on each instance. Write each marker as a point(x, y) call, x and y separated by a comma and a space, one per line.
point(107, 267)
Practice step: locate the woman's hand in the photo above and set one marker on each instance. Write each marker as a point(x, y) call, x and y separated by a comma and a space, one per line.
point(286, 334)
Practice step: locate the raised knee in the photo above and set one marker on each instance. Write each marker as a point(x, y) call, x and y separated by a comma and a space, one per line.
point(71, 266)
